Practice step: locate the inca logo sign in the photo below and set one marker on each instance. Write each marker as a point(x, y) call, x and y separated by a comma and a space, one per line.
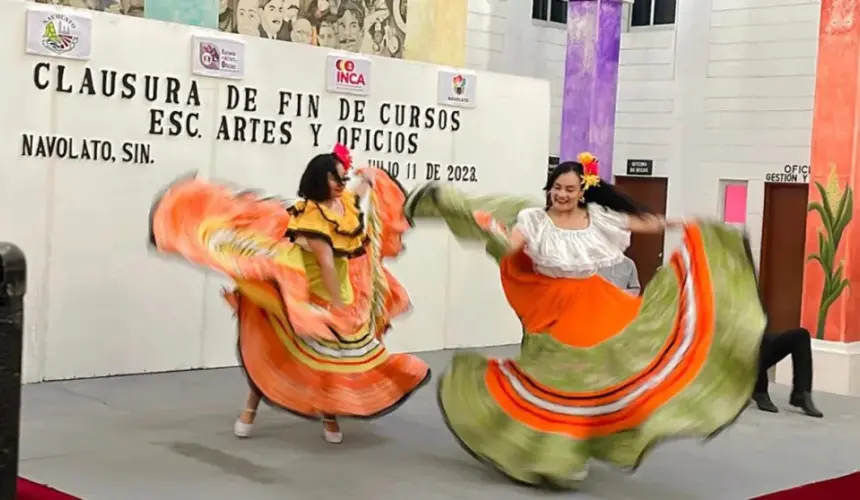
point(346, 73)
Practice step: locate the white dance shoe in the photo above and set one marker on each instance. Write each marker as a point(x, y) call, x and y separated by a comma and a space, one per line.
point(241, 429)
point(333, 437)
point(580, 475)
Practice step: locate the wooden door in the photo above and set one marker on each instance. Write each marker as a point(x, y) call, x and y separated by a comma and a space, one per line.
point(782, 253)
point(646, 250)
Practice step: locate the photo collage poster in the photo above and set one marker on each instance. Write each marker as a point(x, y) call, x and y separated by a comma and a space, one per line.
point(376, 27)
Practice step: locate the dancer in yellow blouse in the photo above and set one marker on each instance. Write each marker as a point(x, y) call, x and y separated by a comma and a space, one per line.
point(312, 308)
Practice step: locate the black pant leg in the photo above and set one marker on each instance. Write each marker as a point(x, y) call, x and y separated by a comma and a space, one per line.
point(776, 346)
point(801, 359)
point(765, 354)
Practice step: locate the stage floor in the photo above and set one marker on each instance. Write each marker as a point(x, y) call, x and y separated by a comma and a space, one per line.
point(169, 437)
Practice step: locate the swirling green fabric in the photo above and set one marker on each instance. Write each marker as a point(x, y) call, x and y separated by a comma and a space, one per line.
point(436, 201)
point(713, 399)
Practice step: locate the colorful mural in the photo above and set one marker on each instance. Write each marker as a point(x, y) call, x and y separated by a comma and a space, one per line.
point(128, 7)
point(421, 30)
point(830, 307)
point(193, 12)
point(437, 32)
point(375, 27)
point(835, 211)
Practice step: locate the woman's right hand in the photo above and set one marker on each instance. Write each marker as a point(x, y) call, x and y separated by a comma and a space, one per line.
point(678, 223)
point(675, 223)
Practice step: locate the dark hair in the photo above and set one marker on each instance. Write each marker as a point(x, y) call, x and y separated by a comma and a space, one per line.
point(603, 194)
point(373, 28)
point(314, 183)
point(328, 18)
point(351, 6)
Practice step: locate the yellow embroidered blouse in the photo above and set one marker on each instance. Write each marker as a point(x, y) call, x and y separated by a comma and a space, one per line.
point(344, 232)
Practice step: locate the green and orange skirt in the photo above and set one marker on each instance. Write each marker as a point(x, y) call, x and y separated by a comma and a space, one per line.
point(602, 374)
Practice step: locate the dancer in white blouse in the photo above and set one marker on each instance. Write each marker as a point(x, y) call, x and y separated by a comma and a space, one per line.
point(603, 374)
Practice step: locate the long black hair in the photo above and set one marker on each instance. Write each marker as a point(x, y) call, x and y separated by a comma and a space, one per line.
point(602, 194)
point(314, 183)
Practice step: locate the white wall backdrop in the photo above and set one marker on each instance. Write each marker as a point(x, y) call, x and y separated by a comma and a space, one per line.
point(503, 37)
point(760, 93)
point(724, 93)
point(644, 116)
point(101, 303)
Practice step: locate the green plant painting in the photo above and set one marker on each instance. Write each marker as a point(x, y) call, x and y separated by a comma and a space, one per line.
point(836, 210)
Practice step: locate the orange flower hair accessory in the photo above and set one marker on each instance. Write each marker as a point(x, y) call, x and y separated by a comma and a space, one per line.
point(343, 155)
point(590, 175)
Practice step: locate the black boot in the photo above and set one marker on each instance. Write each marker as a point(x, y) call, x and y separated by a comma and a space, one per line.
point(803, 400)
point(762, 400)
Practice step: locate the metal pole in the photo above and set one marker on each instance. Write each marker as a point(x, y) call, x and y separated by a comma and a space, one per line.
point(13, 286)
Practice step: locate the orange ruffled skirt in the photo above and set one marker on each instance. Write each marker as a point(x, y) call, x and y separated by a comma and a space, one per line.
point(566, 309)
point(298, 355)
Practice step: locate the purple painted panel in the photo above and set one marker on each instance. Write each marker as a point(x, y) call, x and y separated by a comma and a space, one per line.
point(578, 77)
point(591, 80)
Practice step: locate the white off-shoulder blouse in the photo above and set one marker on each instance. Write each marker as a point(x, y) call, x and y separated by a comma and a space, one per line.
point(574, 253)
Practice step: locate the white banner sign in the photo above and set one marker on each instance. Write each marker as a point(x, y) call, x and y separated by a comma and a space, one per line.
point(457, 88)
point(217, 57)
point(59, 34)
point(798, 174)
point(346, 74)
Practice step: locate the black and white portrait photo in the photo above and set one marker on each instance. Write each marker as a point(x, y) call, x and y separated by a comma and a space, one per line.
point(375, 27)
point(128, 7)
point(114, 6)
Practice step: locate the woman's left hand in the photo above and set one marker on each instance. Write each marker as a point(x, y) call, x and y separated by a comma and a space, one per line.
point(366, 174)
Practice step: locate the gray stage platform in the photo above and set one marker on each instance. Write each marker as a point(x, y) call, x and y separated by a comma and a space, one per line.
point(168, 437)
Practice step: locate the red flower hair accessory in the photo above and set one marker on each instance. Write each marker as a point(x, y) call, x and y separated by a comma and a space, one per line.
point(590, 171)
point(343, 155)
